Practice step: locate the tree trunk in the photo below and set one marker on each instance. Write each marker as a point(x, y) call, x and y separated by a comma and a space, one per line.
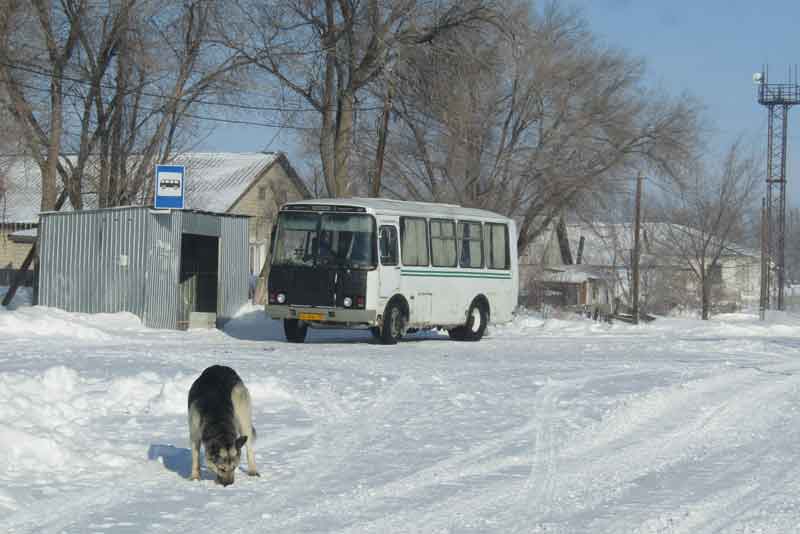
point(343, 146)
point(705, 284)
point(50, 171)
point(326, 150)
point(382, 134)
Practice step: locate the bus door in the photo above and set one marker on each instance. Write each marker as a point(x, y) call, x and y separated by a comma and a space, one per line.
point(389, 251)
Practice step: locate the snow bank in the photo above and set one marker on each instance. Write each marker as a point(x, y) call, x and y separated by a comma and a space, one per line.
point(733, 325)
point(41, 321)
point(251, 322)
point(49, 420)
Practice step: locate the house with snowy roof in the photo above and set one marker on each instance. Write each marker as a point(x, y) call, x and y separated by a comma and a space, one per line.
point(253, 184)
point(599, 261)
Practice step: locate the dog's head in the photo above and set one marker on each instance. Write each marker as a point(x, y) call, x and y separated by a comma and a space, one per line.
point(222, 458)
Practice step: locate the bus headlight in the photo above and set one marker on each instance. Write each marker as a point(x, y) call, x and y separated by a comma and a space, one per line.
point(347, 301)
point(281, 298)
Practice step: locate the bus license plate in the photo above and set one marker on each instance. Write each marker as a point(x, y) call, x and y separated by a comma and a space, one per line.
point(310, 316)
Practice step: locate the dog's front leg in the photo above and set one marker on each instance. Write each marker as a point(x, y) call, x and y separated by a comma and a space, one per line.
point(251, 461)
point(195, 460)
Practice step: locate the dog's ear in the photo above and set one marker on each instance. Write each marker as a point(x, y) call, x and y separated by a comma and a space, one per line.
point(240, 441)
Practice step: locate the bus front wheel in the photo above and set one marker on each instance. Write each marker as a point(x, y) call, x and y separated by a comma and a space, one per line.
point(295, 330)
point(393, 323)
point(475, 327)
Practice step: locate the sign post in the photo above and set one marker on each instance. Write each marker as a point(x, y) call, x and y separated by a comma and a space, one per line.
point(169, 186)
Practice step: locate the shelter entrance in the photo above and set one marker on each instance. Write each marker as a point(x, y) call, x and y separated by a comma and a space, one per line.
point(199, 281)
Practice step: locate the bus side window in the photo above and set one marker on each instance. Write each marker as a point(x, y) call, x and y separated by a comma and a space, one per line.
point(388, 245)
point(414, 238)
point(470, 247)
point(443, 243)
point(496, 245)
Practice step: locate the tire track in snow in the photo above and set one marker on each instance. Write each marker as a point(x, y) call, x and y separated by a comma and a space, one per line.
point(335, 439)
point(480, 462)
point(704, 418)
point(592, 474)
point(58, 514)
point(540, 485)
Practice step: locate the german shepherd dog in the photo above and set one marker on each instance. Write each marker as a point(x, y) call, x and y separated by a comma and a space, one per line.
point(220, 417)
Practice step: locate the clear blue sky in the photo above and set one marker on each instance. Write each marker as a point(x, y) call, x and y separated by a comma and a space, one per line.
point(708, 48)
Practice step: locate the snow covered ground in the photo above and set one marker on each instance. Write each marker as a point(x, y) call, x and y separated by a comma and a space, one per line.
point(557, 426)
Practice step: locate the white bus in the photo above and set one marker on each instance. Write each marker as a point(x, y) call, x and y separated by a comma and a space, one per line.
point(392, 266)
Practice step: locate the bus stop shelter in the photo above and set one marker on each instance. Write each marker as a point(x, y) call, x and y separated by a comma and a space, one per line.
point(172, 268)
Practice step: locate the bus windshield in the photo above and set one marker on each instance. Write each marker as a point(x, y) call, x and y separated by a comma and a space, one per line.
point(328, 239)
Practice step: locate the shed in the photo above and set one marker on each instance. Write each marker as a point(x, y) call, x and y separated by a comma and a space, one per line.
point(174, 269)
point(575, 286)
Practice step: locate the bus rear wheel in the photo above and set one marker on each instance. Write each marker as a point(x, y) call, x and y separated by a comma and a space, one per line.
point(475, 327)
point(394, 322)
point(295, 330)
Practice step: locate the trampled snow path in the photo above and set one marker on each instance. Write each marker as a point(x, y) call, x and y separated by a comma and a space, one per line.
point(546, 426)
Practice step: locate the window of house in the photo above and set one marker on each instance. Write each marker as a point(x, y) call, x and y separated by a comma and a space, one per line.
point(443, 243)
point(262, 192)
point(388, 245)
point(414, 241)
point(496, 246)
point(470, 244)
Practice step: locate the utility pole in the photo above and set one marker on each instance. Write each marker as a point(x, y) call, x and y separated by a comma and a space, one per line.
point(763, 302)
point(635, 259)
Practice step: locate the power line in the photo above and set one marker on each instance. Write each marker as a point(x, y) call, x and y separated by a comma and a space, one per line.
point(35, 69)
point(196, 116)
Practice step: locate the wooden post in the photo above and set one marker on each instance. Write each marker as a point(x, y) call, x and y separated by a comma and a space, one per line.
point(635, 259)
point(19, 277)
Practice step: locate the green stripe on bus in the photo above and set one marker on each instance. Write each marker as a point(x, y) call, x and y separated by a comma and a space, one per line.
point(500, 276)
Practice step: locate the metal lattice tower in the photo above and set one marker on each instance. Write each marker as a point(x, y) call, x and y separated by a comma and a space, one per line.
point(778, 98)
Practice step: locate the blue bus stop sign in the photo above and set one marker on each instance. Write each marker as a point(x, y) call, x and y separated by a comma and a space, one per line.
point(169, 186)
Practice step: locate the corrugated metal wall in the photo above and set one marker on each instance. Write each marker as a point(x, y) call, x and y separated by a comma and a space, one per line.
point(93, 261)
point(129, 259)
point(163, 264)
point(234, 270)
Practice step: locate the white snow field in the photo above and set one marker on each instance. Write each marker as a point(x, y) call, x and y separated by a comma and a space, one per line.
point(557, 426)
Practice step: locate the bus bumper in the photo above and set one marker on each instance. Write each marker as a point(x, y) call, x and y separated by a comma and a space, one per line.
point(323, 315)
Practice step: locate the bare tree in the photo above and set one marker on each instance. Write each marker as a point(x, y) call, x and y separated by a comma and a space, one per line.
point(124, 77)
point(149, 69)
point(57, 28)
point(529, 121)
point(707, 216)
point(327, 52)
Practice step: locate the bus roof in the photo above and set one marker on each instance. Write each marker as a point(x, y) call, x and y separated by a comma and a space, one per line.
point(387, 206)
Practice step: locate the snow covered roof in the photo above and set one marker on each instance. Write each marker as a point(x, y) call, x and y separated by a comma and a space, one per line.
point(576, 274)
point(214, 182)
